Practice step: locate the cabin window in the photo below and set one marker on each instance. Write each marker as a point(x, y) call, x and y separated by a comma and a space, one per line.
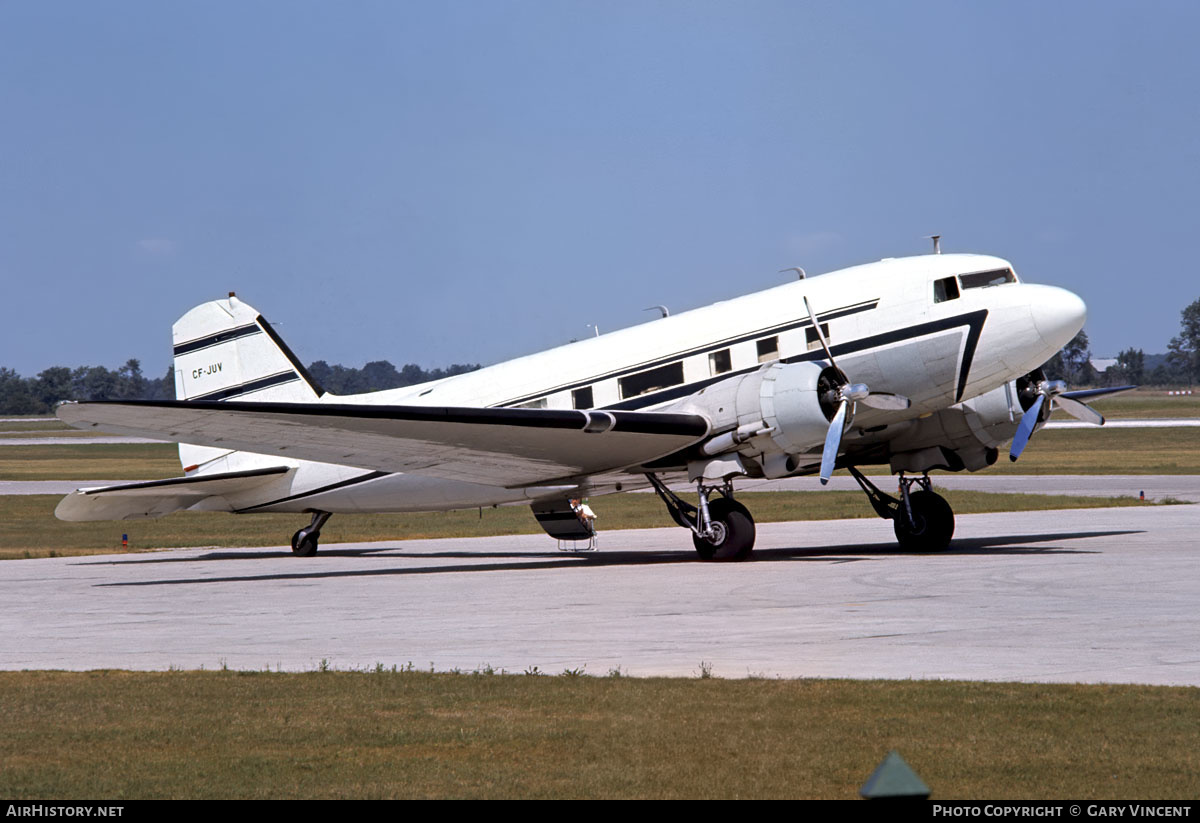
point(983, 279)
point(945, 289)
point(768, 349)
point(582, 398)
point(720, 362)
point(810, 334)
point(645, 382)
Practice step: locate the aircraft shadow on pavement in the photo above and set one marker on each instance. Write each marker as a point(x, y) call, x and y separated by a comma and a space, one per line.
point(533, 561)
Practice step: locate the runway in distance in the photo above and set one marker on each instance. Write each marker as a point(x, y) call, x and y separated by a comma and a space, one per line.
point(920, 363)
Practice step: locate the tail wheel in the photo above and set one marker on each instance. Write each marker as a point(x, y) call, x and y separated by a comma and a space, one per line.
point(733, 528)
point(304, 543)
point(932, 523)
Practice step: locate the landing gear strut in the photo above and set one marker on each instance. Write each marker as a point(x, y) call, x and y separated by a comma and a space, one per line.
point(304, 542)
point(722, 528)
point(922, 519)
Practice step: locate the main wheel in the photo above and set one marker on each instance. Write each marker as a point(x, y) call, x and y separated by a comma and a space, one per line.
point(734, 532)
point(932, 526)
point(304, 543)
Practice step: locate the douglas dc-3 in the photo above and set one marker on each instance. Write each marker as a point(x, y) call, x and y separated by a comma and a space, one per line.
point(919, 363)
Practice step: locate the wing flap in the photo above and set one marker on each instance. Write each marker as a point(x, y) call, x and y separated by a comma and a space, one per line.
point(500, 447)
point(155, 498)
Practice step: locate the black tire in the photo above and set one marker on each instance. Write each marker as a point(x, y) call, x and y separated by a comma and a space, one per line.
point(932, 526)
point(735, 528)
point(304, 543)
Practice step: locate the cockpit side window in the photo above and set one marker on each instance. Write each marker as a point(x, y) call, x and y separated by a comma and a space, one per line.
point(945, 289)
point(983, 279)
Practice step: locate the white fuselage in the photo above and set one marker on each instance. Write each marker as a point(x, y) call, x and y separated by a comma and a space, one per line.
point(889, 324)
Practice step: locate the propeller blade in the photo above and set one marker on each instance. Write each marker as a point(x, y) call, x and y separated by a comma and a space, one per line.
point(1025, 428)
point(820, 335)
point(1080, 411)
point(886, 400)
point(1088, 394)
point(833, 442)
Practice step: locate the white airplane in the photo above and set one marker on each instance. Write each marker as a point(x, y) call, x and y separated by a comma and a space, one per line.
point(920, 363)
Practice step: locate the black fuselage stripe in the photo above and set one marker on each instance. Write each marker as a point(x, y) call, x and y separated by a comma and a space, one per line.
point(705, 349)
point(216, 339)
point(975, 329)
point(250, 386)
point(972, 320)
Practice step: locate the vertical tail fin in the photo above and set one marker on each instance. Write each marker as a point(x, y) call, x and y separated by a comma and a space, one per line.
point(226, 350)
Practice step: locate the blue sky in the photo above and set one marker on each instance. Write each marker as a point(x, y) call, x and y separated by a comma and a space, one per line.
point(471, 181)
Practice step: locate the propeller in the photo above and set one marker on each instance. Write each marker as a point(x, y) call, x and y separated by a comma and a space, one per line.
point(843, 393)
point(1053, 392)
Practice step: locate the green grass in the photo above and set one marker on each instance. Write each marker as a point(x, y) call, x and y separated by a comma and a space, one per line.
point(29, 529)
point(1107, 451)
point(33, 424)
point(124, 735)
point(1147, 404)
point(90, 461)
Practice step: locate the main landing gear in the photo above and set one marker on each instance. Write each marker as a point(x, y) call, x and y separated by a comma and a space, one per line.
point(922, 519)
point(304, 542)
point(722, 528)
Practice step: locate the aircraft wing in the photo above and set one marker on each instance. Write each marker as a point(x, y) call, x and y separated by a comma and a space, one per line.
point(155, 498)
point(494, 446)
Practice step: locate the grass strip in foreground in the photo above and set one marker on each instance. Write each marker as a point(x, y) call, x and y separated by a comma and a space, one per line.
point(413, 734)
point(28, 527)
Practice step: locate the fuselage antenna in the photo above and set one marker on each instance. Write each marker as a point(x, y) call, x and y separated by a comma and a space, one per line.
point(937, 244)
point(799, 271)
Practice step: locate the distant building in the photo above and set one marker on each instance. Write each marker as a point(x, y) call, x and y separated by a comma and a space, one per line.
point(1101, 364)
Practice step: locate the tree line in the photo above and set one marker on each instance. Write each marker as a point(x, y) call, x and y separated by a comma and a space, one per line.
point(1179, 366)
point(39, 395)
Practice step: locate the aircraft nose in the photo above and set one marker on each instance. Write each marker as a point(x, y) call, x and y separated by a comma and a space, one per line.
point(1058, 315)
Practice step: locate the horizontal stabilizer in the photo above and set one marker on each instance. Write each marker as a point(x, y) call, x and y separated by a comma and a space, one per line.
point(154, 498)
point(493, 446)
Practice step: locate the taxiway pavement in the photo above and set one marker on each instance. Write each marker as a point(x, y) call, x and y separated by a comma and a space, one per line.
point(1098, 595)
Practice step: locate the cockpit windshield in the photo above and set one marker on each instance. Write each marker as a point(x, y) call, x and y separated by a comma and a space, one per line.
point(982, 279)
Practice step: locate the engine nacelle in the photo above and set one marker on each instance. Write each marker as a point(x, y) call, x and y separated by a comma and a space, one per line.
point(965, 436)
point(792, 399)
point(783, 409)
